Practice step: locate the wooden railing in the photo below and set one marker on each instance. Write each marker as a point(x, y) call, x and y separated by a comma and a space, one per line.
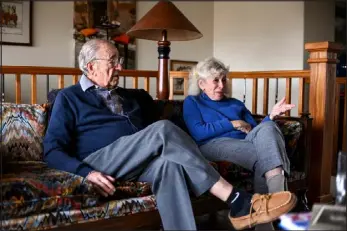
point(36, 72)
point(255, 76)
point(134, 75)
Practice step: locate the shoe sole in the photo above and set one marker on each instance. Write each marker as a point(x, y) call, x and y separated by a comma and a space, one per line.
point(292, 203)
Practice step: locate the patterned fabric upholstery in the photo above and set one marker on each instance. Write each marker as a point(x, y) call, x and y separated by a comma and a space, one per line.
point(22, 127)
point(107, 210)
point(32, 191)
point(37, 197)
point(33, 188)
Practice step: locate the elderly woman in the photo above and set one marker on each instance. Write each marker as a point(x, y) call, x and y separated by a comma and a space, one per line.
point(225, 130)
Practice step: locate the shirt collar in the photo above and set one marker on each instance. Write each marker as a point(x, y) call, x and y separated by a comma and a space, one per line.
point(86, 83)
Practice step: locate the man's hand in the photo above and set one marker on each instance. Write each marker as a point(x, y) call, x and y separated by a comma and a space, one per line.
point(241, 126)
point(280, 108)
point(102, 182)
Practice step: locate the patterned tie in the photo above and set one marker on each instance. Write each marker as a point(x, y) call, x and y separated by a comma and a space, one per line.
point(111, 99)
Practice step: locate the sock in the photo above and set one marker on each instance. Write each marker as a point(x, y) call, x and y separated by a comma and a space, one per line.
point(276, 183)
point(239, 202)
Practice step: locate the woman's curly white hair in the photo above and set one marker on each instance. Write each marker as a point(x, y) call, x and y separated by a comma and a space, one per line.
point(208, 68)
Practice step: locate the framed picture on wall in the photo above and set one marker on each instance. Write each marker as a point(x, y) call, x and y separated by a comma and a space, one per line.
point(180, 65)
point(16, 23)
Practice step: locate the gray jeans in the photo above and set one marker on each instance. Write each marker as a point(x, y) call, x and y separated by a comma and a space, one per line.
point(165, 156)
point(262, 150)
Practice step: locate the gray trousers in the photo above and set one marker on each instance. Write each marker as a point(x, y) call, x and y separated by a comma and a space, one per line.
point(165, 156)
point(262, 150)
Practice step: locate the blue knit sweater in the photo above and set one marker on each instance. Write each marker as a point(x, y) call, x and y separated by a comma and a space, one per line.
point(80, 124)
point(207, 119)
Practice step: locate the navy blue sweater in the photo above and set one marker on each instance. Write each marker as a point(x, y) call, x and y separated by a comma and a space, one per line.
point(207, 119)
point(80, 124)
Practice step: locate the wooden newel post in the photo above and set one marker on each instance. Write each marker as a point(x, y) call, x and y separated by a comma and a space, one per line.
point(322, 61)
point(163, 67)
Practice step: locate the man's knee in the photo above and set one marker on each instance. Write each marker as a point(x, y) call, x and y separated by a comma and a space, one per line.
point(164, 125)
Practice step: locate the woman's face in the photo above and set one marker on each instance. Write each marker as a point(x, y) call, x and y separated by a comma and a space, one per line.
point(214, 87)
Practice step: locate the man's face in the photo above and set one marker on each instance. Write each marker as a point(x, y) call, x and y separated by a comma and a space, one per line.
point(103, 71)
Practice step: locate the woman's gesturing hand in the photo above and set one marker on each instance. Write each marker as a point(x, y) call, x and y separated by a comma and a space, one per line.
point(241, 125)
point(280, 108)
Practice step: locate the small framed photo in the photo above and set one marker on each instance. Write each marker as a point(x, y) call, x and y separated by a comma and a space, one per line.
point(180, 65)
point(16, 23)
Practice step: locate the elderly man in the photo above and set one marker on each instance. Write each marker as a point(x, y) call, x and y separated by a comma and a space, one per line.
point(102, 132)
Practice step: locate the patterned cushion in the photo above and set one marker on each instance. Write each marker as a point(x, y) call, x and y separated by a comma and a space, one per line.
point(52, 94)
point(50, 101)
point(32, 188)
point(22, 127)
point(107, 210)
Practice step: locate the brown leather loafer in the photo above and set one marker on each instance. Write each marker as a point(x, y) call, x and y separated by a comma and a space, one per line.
point(265, 208)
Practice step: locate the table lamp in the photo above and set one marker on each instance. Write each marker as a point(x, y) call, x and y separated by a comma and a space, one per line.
point(164, 23)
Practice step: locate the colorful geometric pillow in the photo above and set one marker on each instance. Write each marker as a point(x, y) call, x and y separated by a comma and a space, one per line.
point(23, 128)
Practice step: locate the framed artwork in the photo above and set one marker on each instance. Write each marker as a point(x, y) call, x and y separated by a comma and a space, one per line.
point(108, 19)
point(16, 23)
point(180, 65)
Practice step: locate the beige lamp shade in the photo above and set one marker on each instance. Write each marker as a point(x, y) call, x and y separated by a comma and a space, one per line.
point(164, 16)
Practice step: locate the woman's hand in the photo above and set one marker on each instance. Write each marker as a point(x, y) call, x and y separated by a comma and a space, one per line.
point(241, 125)
point(280, 108)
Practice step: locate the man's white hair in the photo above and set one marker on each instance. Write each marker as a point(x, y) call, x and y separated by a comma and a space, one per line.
point(208, 68)
point(88, 52)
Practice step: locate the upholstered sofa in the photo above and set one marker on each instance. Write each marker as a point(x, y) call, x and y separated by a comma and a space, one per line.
point(34, 196)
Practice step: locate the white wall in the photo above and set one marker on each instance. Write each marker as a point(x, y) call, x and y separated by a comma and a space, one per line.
point(53, 45)
point(258, 36)
point(319, 22)
point(318, 26)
